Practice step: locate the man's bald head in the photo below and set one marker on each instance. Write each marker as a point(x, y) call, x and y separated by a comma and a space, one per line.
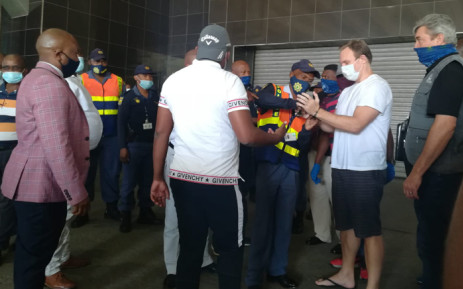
point(54, 42)
point(241, 68)
point(190, 56)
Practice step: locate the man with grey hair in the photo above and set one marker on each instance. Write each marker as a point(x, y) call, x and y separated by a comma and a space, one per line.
point(434, 142)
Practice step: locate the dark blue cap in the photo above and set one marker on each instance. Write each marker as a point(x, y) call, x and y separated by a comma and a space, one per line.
point(143, 69)
point(305, 66)
point(97, 54)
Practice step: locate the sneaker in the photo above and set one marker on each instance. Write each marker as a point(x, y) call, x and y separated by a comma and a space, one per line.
point(363, 274)
point(337, 263)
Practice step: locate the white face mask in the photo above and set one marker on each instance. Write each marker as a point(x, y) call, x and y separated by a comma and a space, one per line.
point(349, 72)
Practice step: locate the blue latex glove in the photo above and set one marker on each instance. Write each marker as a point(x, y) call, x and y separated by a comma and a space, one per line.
point(390, 172)
point(314, 174)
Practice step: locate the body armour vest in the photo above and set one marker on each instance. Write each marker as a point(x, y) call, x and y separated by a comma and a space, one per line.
point(451, 159)
point(287, 151)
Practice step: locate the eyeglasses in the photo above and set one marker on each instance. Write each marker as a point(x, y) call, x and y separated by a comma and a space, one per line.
point(14, 68)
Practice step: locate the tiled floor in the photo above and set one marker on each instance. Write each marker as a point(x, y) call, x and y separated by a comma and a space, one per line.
point(135, 260)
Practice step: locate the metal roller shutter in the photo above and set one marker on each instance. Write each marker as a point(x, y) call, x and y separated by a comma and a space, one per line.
point(395, 62)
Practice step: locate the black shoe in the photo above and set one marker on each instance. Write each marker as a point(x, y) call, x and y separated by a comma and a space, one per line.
point(247, 241)
point(170, 281)
point(314, 241)
point(112, 212)
point(419, 280)
point(283, 280)
point(147, 217)
point(337, 250)
point(255, 287)
point(126, 222)
point(211, 268)
point(79, 221)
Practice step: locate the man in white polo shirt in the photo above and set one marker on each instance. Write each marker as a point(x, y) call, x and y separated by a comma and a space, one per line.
point(210, 118)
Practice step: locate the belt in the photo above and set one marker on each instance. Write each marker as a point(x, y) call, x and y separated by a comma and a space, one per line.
point(171, 145)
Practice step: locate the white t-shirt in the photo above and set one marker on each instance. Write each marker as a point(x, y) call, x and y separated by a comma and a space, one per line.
point(200, 97)
point(366, 150)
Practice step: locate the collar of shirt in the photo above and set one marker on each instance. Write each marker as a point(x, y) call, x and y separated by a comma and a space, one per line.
point(4, 94)
point(54, 67)
point(206, 62)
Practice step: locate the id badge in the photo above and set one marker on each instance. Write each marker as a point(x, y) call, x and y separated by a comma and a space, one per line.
point(290, 136)
point(147, 125)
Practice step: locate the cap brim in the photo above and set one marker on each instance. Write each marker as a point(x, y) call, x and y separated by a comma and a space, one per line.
point(211, 53)
point(98, 57)
point(315, 72)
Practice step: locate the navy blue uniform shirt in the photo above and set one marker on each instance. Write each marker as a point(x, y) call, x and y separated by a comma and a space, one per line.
point(136, 110)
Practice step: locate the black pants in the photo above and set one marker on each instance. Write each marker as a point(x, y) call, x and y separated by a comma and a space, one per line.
point(92, 170)
point(7, 214)
point(200, 207)
point(437, 195)
point(39, 229)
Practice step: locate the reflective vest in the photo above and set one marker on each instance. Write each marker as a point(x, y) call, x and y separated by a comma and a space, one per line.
point(286, 151)
point(106, 99)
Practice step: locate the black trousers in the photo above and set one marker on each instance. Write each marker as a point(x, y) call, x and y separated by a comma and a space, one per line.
point(39, 229)
point(437, 195)
point(200, 207)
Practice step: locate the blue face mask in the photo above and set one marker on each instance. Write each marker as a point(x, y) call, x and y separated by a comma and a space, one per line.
point(80, 68)
point(69, 68)
point(330, 86)
point(146, 84)
point(99, 69)
point(299, 86)
point(428, 55)
point(246, 80)
point(12, 77)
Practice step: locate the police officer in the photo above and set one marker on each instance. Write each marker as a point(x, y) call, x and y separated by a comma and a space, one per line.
point(106, 88)
point(136, 123)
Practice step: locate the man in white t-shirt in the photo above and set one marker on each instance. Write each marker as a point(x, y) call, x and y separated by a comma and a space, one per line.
point(211, 118)
point(361, 126)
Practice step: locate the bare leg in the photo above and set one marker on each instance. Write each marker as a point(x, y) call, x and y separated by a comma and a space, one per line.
point(374, 255)
point(345, 277)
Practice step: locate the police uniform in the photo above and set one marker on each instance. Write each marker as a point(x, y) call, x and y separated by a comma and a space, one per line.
point(136, 124)
point(105, 97)
point(277, 185)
